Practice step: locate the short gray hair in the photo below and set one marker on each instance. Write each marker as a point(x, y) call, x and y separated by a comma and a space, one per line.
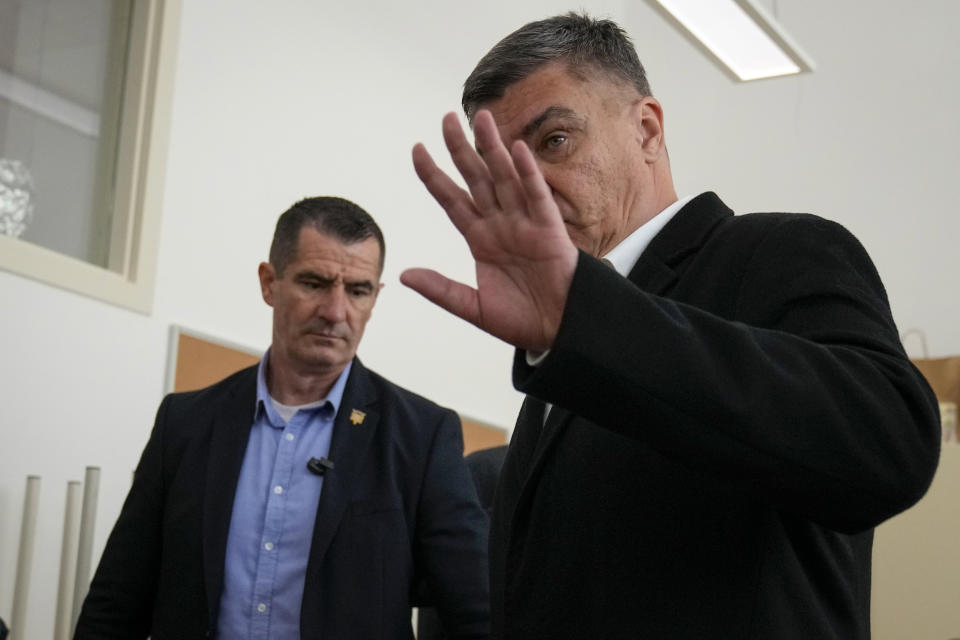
point(578, 40)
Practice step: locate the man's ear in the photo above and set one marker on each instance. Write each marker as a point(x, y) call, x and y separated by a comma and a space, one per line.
point(267, 277)
point(648, 119)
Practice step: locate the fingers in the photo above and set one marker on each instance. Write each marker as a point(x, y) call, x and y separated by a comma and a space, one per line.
point(506, 182)
point(501, 181)
point(539, 197)
point(469, 163)
point(457, 298)
point(454, 200)
point(492, 178)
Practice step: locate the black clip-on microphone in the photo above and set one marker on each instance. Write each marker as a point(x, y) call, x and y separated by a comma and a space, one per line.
point(319, 466)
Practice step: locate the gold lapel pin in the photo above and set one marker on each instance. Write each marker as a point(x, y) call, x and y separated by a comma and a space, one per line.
point(357, 416)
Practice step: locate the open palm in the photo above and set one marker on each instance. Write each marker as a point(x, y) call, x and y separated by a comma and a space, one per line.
point(524, 258)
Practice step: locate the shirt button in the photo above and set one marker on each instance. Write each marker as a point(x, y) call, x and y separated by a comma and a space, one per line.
point(278, 489)
point(268, 546)
point(289, 436)
point(261, 607)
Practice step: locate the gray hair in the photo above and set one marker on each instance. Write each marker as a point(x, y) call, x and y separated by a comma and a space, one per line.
point(582, 42)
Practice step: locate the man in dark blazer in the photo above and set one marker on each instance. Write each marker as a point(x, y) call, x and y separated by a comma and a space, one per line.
point(714, 425)
point(303, 497)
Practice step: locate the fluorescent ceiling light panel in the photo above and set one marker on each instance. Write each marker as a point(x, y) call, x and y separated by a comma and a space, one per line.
point(741, 35)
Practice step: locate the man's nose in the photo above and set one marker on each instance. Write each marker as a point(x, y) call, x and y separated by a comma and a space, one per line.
point(334, 307)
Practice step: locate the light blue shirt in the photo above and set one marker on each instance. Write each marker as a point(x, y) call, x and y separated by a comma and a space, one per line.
point(274, 509)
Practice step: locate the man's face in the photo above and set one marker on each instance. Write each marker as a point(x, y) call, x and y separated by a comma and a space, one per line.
point(588, 137)
point(322, 301)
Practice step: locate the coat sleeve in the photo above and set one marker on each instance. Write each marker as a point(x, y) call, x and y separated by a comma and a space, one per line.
point(451, 541)
point(119, 604)
point(804, 398)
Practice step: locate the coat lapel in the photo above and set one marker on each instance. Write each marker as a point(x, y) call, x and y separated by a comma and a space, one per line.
point(353, 430)
point(682, 237)
point(556, 422)
point(230, 433)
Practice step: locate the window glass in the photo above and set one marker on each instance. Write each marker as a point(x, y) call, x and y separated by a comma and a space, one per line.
point(62, 65)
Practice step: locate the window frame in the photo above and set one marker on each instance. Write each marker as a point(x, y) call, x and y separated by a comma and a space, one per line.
point(141, 143)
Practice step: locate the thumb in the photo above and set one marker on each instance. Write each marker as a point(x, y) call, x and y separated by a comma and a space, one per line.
point(457, 298)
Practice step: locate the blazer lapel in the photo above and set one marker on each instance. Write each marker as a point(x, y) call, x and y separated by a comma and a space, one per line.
point(230, 433)
point(523, 444)
point(656, 270)
point(353, 430)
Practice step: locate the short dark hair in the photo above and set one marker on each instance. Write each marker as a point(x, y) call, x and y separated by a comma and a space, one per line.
point(333, 216)
point(577, 39)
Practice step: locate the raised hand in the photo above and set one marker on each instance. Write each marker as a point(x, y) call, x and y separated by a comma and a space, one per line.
point(524, 257)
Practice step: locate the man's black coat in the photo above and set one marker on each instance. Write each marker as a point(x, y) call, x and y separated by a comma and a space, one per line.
point(729, 425)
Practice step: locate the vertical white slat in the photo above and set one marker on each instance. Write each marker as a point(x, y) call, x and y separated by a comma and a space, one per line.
point(68, 561)
point(88, 517)
point(21, 585)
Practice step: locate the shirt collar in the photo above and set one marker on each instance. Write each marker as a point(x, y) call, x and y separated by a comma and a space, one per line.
point(334, 397)
point(625, 255)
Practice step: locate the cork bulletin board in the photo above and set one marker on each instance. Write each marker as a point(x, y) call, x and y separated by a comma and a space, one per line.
point(477, 435)
point(197, 360)
point(916, 560)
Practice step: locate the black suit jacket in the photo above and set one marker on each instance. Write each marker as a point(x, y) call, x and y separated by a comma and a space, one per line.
point(730, 423)
point(484, 465)
point(398, 507)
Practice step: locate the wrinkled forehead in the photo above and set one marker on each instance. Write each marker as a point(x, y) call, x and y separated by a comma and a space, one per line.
point(546, 85)
point(552, 68)
point(319, 250)
point(555, 91)
point(576, 71)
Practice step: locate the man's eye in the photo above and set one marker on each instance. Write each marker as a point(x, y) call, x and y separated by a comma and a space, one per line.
point(554, 141)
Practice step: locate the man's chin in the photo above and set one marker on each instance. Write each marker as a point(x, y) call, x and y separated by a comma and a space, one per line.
point(324, 357)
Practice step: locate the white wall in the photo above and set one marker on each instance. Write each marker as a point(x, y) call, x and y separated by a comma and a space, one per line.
point(275, 101)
